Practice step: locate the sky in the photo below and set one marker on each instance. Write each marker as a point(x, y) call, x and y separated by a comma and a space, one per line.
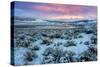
point(54, 11)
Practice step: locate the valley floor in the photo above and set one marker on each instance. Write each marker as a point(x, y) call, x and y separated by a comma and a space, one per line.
point(55, 46)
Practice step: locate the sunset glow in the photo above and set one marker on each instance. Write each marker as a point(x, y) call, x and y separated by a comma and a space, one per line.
point(54, 11)
point(68, 17)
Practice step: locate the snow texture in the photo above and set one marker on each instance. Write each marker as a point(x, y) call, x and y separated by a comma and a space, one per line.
point(50, 45)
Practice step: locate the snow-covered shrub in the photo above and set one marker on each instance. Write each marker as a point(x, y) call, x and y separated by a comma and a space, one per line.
point(58, 44)
point(70, 56)
point(80, 30)
point(80, 36)
point(57, 35)
point(69, 43)
point(89, 31)
point(36, 47)
point(76, 31)
point(58, 55)
point(86, 43)
point(34, 40)
point(66, 32)
point(68, 37)
point(72, 34)
point(75, 36)
point(23, 40)
point(81, 42)
point(94, 40)
point(51, 36)
point(30, 56)
point(37, 36)
point(44, 34)
point(24, 43)
point(89, 55)
point(48, 51)
point(46, 41)
point(47, 59)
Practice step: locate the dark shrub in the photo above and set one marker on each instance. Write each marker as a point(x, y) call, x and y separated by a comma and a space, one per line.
point(81, 42)
point(58, 44)
point(29, 56)
point(48, 51)
point(36, 47)
point(22, 37)
point(26, 44)
point(89, 31)
point(86, 43)
point(58, 55)
point(69, 43)
point(44, 34)
point(33, 40)
point(89, 55)
point(57, 35)
point(70, 57)
point(47, 59)
point(94, 40)
point(22, 43)
point(51, 36)
point(68, 38)
point(46, 41)
point(80, 36)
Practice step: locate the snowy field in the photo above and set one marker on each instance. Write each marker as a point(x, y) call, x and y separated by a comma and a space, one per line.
point(74, 42)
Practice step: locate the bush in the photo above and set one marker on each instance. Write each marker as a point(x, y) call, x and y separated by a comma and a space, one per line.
point(86, 43)
point(94, 40)
point(29, 56)
point(69, 43)
point(33, 39)
point(48, 51)
point(51, 36)
point(44, 35)
point(58, 44)
point(69, 56)
point(80, 36)
point(23, 40)
point(26, 44)
point(46, 41)
point(68, 38)
point(22, 43)
point(89, 55)
point(89, 31)
point(57, 36)
point(36, 47)
point(81, 42)
point(22, 37)
point(57, 55)
point(47, 59)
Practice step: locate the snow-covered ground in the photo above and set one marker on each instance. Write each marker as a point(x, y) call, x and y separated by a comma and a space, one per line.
point(42, 46)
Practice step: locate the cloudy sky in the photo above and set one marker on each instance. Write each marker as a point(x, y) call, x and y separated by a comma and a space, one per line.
point(54, 11)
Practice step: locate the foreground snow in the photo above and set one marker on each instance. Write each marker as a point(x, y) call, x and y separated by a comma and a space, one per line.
point(55, 45)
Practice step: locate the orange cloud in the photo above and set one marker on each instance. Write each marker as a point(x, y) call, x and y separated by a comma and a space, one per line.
point(68, 17)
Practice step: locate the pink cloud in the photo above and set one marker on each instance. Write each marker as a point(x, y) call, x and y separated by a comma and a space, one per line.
point(72, 11)
point(58, 8)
